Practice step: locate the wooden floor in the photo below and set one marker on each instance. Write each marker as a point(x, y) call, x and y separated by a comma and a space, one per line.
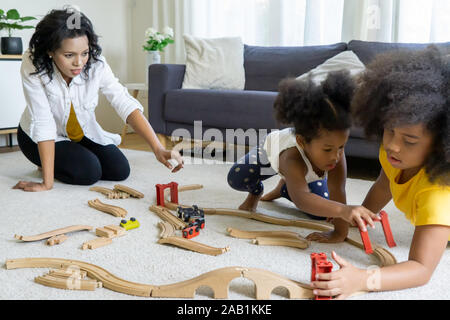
point(358, 168)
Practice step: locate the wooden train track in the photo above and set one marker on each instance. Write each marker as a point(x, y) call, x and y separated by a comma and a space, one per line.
point(167, 229)
point(218, 280)
point(110, 193)
point(132, 192)
point(108, 280)
point(53, 233)
point(384, 257)
point(193, 245)
point(114, 210)
point(167, 216)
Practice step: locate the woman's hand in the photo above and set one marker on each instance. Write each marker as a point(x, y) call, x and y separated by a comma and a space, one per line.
point(164, 156)
point(30, 186)
point(359, 216)
point(342, 283)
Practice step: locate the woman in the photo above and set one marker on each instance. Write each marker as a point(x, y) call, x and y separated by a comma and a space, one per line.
point(62, 73)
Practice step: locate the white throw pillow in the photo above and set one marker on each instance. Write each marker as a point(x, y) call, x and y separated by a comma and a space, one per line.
point(214, 63)
point(344, 60)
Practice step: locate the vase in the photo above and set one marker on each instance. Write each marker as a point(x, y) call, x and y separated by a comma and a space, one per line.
point(152, 58)
point(11, 45)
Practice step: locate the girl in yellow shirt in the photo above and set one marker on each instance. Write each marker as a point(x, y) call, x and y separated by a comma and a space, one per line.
point(402, 98)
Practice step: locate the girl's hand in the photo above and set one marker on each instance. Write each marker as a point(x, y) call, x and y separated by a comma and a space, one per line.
point(164, 156)
point(342, 283)
point(357, 215)
point(30, 186)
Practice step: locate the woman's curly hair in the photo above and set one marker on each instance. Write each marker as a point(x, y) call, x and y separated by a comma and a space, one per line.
point(408, 88)
point(52, 30)
point(311, 107)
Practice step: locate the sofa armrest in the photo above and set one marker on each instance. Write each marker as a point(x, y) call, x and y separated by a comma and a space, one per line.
point(161, 79)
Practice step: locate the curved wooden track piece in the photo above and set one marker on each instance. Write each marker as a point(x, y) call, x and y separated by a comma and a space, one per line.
point(134, 193)
point(242, 234)
point(53, 233)
point(384, 256)
point(167, 229)
point(219, 280)
point(108, 280)
point(270, 241)
point(167, 216)
point(193, 245)
point(114, 210)
point(111, 194)
point(68, 283)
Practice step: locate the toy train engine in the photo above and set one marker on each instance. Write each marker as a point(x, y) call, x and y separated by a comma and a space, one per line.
point(190, 214)
point(191, 231)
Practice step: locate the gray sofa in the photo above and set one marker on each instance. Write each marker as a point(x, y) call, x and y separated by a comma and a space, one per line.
point(171, 107)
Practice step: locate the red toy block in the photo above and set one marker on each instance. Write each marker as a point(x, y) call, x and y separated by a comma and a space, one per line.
point(387, 233)
point(387, 229)
point(320, 264)
point(315, 257)
point(366, 241)
point(160, 193)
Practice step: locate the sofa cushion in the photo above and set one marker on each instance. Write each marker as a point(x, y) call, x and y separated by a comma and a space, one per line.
point(221, 109)
point(265, 67)
point(367, 50)
point(214, 63)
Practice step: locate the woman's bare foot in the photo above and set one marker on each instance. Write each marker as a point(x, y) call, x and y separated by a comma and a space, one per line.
point(250, 203)
point(275, 193)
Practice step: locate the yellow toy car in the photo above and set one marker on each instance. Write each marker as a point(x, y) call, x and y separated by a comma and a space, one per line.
point(131, 224)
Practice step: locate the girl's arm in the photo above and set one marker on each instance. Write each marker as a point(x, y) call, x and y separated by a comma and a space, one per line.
point(336, 187)
point(379, 194)
point(428, 245)
point(143, 128)
point(293, 168)
point(47, 156)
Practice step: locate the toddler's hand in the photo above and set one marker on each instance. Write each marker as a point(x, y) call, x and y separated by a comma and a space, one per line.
point(357, 215)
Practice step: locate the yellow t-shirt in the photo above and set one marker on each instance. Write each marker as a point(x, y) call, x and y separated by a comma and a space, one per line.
point(73, 127)
point(421, 201)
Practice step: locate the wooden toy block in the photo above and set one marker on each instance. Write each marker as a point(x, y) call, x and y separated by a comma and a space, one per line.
point(96, 243)
point(103, 232)
point(56, 239)
point(117, 230)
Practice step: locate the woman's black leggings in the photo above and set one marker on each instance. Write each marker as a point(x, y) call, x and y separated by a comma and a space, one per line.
point(80, 163)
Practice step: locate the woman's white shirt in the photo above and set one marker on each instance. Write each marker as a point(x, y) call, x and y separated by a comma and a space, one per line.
point(48, 102)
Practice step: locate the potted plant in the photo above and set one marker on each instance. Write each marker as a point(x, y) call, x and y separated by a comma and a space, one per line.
point(11, 20)
point(155, 43)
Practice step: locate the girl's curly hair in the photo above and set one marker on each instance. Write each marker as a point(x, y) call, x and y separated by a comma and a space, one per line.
point(52, 30)
point(408, 88)
point(311, 107)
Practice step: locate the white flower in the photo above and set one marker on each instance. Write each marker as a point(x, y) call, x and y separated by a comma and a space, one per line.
point(150, 32)
point(168, 32)
point(159, 37)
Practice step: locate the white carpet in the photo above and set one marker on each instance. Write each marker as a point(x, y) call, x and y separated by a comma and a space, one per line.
point(137, 257)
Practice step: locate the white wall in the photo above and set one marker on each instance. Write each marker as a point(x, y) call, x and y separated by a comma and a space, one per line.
point(112, 21)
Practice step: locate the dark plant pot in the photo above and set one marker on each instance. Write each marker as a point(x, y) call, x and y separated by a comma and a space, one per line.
point(12, 45)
